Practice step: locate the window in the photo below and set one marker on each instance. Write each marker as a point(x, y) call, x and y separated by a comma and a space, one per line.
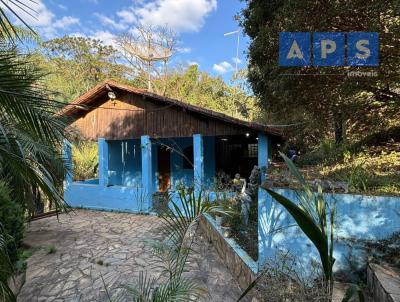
point(252, 150)
point(188, 158)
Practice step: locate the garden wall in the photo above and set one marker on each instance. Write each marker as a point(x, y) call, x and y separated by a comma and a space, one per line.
point(113, 198)
point(358, 217)
point(239, 263)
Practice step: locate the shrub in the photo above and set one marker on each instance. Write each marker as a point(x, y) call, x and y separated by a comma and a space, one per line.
point(85, 160)
point(12, 219)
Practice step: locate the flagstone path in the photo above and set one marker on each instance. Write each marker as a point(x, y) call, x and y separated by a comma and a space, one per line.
point(86, 252)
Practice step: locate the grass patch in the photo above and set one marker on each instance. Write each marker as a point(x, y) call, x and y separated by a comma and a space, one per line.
point(374, 170)
point(50, 249)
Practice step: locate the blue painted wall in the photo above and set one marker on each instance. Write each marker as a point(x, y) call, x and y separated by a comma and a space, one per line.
point(209, 160)
point(116, 198)
point(147, 170)
point(178, 173)
point(103, 161)
point(263, 154)
point(358, 217)
point(124, 162)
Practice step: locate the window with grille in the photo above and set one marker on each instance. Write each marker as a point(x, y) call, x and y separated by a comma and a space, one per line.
point(252, 150)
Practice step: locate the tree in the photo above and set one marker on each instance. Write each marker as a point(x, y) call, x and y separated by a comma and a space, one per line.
point(199, 88)
point(31, 134)
point(148, 51)
point(324, 105)
point(76, 64)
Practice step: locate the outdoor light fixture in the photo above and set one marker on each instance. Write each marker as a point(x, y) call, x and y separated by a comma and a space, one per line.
point(247, 134)
point(224, 139)
point(111, 95)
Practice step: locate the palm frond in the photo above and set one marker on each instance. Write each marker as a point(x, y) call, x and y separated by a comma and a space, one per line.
point(6, 270)
point(143, 290)
point(31, 135)
point(7, 28)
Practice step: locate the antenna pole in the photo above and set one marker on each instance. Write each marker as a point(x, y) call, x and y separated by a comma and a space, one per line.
point(237, 51)
point(149, 70)
point(237, 47)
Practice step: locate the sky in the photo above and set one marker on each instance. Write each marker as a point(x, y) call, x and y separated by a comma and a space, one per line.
point(199, 24)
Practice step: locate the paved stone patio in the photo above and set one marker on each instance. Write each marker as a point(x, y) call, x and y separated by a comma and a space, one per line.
point(90, 245)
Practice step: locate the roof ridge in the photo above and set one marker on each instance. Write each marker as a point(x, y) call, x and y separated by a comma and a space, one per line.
point(99, 88)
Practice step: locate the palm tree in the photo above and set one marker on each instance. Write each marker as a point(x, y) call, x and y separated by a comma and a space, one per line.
point(180, 223)
point(31, 134)
point(5, 269)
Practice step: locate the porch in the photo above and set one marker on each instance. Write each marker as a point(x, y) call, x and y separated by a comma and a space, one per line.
point(130, 171)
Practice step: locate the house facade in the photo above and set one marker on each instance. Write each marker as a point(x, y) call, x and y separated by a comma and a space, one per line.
point(148, 143)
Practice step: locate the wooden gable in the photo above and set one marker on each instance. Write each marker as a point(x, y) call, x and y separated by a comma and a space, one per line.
point(133, 115)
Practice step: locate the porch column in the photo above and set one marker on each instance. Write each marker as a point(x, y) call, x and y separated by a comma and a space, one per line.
point(263, 155)
point(147, 171)
point(198, 165)
point(103, 162)
point(67, 155)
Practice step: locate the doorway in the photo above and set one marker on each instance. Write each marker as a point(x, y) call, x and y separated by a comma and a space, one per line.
point(164, 169)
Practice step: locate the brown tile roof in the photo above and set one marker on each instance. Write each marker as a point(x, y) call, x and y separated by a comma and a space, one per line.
point(90, 96)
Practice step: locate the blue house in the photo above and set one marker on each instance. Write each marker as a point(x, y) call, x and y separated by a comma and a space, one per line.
point(149, 143)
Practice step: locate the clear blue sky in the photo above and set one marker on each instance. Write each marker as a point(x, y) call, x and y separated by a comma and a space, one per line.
point(200, 25)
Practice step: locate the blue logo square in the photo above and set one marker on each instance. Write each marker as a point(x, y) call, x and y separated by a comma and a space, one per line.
point(294, 49)
point(363, 49)
point(328, 49)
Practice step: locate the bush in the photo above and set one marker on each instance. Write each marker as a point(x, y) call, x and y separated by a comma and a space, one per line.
point(85, 160)
point(12, 218)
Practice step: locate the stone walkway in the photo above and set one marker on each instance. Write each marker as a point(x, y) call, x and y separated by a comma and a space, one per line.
point(76, 252)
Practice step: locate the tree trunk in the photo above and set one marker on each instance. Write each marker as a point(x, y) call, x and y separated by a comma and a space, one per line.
point(340, 129)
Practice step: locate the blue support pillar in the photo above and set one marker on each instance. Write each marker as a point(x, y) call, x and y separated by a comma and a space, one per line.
point(198, 165)
point(263, 154)
point(147, 171)
point(103, 162)
point(67, 155)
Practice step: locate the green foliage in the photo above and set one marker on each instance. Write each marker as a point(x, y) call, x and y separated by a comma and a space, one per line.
point(85, 160)
point(285, 278)
point(199, 88)
point(76, 64)
point(31, 136)
point(50, 249)
point(324, 106)
point(23, 256)
point(180, 224)
point(316, 220)
point(369, 173)
point(12, 218)
point(6, 269)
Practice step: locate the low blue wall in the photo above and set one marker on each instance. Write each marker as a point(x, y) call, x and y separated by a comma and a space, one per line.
point(114, 198)
point(358, 217)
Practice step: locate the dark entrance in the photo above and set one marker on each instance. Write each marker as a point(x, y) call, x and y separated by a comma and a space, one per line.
point(236, 154)
point(164, 169)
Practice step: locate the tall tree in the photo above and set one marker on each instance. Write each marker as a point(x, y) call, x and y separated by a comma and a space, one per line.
point(199, 88)
point(31, 135)
point(324, 105)
point(76, 64)
point(148, 50)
